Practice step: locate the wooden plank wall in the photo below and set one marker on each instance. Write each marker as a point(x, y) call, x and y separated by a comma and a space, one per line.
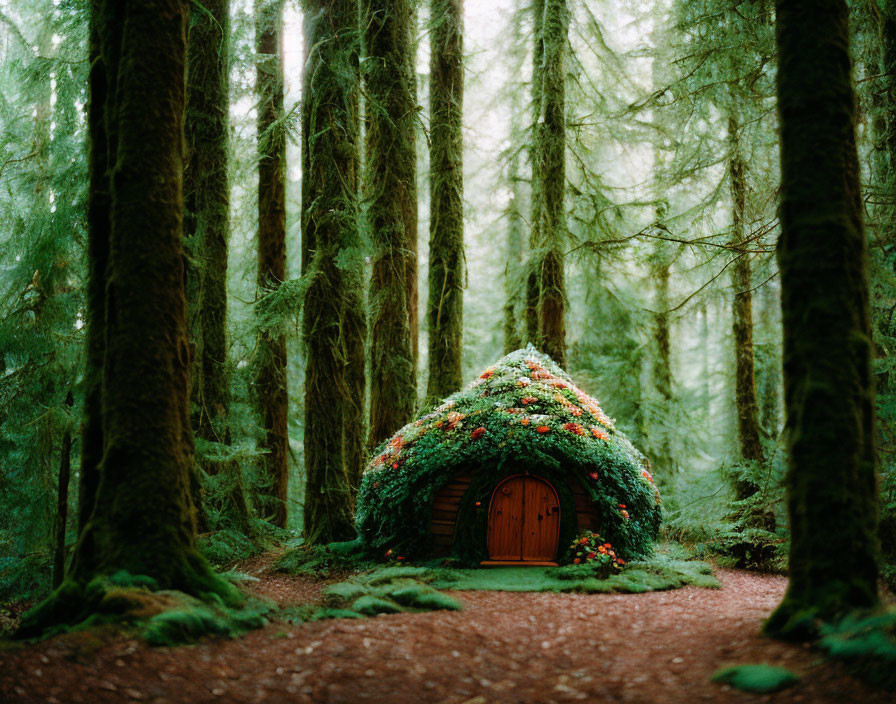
point(444, 513)
point(586, 514)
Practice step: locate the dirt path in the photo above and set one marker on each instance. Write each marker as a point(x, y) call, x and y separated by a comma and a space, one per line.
point(504, 647)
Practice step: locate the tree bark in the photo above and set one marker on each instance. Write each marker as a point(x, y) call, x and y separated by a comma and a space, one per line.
point(748, 430)
point(391, 192)
point(270, 382)
point(333, 320)
point(829, 398)
point(206, 237)
point(512, 270)
point(142, 519)
point(446, 187)
point(552, 151)
point(533, 266)
point(98, 205)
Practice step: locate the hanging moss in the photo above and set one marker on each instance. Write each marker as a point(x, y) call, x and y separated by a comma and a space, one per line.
point(523, 414)
point(333, 316)
point(270, 382)
point(390, 195)
point(829, 399)
point(446, 187)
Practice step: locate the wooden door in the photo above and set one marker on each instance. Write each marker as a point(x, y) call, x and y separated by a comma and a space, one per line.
point(524, 520)
point(505, 520)
point(541, 521)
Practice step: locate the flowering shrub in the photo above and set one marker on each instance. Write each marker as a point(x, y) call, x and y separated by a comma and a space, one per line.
point(522, 414)
point(589, 548)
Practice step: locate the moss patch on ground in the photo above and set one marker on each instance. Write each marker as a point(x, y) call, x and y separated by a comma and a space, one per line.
point(658, 574)
point(161, 617)
point(760, 679)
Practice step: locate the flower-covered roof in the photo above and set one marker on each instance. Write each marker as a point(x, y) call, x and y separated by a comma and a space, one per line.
point(524, 409)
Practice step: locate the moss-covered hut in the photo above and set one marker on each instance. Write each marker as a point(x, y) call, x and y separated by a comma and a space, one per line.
point(510, 469)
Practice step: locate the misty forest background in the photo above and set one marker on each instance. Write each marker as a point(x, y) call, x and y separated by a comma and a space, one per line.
point(666, 231)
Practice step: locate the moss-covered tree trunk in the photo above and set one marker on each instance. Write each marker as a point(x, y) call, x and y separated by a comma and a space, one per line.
point(512, 269)
point(142, 519)
point(390, 191)
point(445, 307)
point(98, 162)
point(748, 430)
point(661, 365)
point(552, 151)
point(270, 382)
point(829, 399)
point(206, 237)
point(533, 264)
point(333, 318)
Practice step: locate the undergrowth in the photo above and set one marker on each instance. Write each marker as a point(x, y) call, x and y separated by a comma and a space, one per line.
point(324, 560)
point(867, 643)
point(161, 617)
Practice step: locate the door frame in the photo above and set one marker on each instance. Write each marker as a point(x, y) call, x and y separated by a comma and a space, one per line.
point(524, 475)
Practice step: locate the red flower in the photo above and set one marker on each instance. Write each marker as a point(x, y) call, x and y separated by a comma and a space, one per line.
point(479, 503)
point(624, 514)
point(576, 561)
point(487, 373)
point(400, 557)
point(525, 421)
point(620, 561)
point(593, 475)
point(395, 465)
point(598, 433)
point(621, 505)
point(601, 549)
point(529, 399)
point(583, 541)
point(574, 428)
point(478, 433)
point(592, 555)
point(543, 429)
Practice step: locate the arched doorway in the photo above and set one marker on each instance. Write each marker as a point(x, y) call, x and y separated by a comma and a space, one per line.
point(523, 521)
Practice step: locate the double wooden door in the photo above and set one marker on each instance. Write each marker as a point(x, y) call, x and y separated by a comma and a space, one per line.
point(523, 520)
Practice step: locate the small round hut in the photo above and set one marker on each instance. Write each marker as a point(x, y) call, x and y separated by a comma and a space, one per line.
point(509, 470)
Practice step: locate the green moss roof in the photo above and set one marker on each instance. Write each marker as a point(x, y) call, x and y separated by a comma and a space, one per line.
point(523, 413)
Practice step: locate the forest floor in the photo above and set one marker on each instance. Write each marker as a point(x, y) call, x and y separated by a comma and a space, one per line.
point(503, 647)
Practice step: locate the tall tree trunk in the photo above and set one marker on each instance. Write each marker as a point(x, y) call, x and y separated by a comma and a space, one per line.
point(552, 151)
point(536, 254)
point(391, 192)
point(446, 188)
point(270, 382)
point(768, 369)
point(61, 520)
point(142, 519)
point(99, 160)
point(333, 314)
point(512, 269)
point(206, 236)
point(748, 430)
point(829, 398)
point(661, 366)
